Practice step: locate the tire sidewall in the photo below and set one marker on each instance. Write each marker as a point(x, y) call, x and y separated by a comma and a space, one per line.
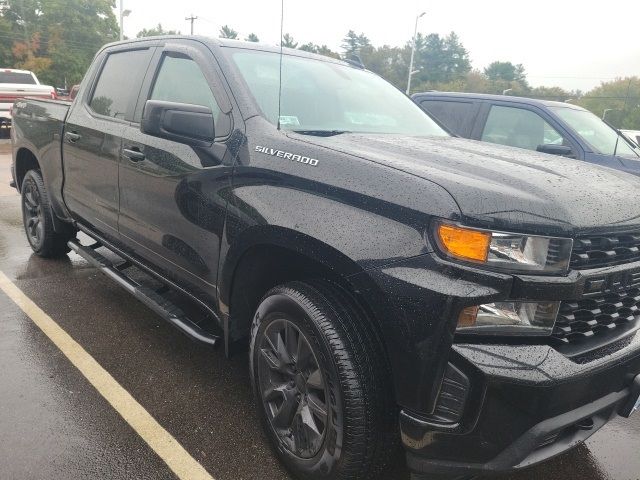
point(33, 177)
point(284, 306)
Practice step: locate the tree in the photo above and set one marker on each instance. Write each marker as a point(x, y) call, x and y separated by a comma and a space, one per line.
point(156, 31)
point(352, 43)
point(438, 60)
point(252, 37)
point(551, 93)
point(391, 63)
point(327, 52)
point(58, 43)
point(309, 47)
point(288, 41)
point(6, 55)
point(506, 76)
point(506, 71)
point(619, 98)
point(228, 32)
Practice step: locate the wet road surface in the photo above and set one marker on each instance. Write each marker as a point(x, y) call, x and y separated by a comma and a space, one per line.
point(55, 425)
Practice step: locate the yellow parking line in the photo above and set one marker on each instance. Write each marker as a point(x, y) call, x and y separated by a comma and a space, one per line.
point(167, 447)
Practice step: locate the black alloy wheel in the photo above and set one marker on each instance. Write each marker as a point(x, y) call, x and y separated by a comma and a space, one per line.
point(293, 388)
point(32, 213)
point(322, 383)
point(38, 218)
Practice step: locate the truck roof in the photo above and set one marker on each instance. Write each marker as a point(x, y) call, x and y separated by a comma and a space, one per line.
point(502, 98)
point(231, 43)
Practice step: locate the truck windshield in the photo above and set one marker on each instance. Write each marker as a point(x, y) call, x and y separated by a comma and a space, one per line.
point(601, 137)
point(319, 96)
point(17, 77)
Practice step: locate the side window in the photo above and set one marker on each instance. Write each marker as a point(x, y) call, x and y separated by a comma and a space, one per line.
point(181, 80)
point(456, 116)
point(119, 83)
point(517, 127)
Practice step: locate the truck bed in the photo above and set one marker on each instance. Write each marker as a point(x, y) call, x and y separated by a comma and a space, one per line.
point(38, 125)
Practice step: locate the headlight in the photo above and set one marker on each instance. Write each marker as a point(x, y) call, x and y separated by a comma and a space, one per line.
point(509, 252)
point(509, 318)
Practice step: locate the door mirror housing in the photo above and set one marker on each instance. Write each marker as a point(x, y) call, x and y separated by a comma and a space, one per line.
point(562, 150)
point(179, 122)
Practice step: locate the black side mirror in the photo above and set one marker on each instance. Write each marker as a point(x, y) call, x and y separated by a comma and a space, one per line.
point(562, 150)
point(179, 122)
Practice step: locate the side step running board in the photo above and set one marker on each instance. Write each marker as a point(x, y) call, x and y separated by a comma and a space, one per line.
point(167, 310)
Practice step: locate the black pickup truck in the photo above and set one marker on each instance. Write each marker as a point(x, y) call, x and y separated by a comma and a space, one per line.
point(475, 303)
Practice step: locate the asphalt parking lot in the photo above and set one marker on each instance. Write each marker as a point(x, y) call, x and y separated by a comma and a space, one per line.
point(55, 425)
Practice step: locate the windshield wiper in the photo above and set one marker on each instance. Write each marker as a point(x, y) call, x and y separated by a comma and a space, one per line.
point(321, 133)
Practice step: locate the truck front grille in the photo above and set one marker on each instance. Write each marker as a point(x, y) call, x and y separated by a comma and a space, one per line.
point(603, 250)
point(595, 317)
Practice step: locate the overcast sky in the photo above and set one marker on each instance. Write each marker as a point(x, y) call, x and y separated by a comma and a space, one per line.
point(573, 44)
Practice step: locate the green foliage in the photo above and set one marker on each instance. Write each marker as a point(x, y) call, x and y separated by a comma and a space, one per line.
point(440, 59)
point(156, 31)
point(227, 32)
point(288, 41)
point(620, 99)
point(391, 63)
point(6, 55)
point(505, 76)
point(56, 42)
point(319, 49)
point(353, 43)
point(252, 37)
point(556, 94)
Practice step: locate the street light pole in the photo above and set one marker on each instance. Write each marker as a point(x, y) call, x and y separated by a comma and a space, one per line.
point(123, 13)
point(413, 52)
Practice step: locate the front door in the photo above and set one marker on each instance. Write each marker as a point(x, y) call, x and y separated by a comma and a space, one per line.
point(172, 196)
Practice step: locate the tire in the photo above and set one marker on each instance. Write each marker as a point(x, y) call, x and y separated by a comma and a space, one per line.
point(37, 218)
point(341, 372)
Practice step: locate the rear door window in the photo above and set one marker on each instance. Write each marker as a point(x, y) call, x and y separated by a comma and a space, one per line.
point(457, 116)
point(118, 85)
point(519, 127)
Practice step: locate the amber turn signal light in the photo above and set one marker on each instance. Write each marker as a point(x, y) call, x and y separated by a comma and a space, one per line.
point(464, 243)
point(468, 317)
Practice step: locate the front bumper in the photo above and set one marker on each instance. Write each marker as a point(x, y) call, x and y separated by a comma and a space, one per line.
point(528, 404)
point(524, 402)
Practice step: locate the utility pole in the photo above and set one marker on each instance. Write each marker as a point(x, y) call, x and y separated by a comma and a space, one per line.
point(413, 51)
point(191, 19)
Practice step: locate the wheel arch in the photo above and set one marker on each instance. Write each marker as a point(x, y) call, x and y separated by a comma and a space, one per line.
point(267, 256)
point(25, 160)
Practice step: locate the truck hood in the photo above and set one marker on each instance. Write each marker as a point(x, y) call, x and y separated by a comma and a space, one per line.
point(506, 188)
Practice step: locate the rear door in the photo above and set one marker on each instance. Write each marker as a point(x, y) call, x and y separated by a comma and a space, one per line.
point(172, 195)
point(93, 136)
point(458, 115)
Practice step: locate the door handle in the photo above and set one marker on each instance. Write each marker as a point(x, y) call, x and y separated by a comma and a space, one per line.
point(72, 137)
point(134, 154)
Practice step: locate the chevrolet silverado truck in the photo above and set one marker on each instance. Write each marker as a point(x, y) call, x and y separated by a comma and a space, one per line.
point(394, 286)
point(15, 84)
